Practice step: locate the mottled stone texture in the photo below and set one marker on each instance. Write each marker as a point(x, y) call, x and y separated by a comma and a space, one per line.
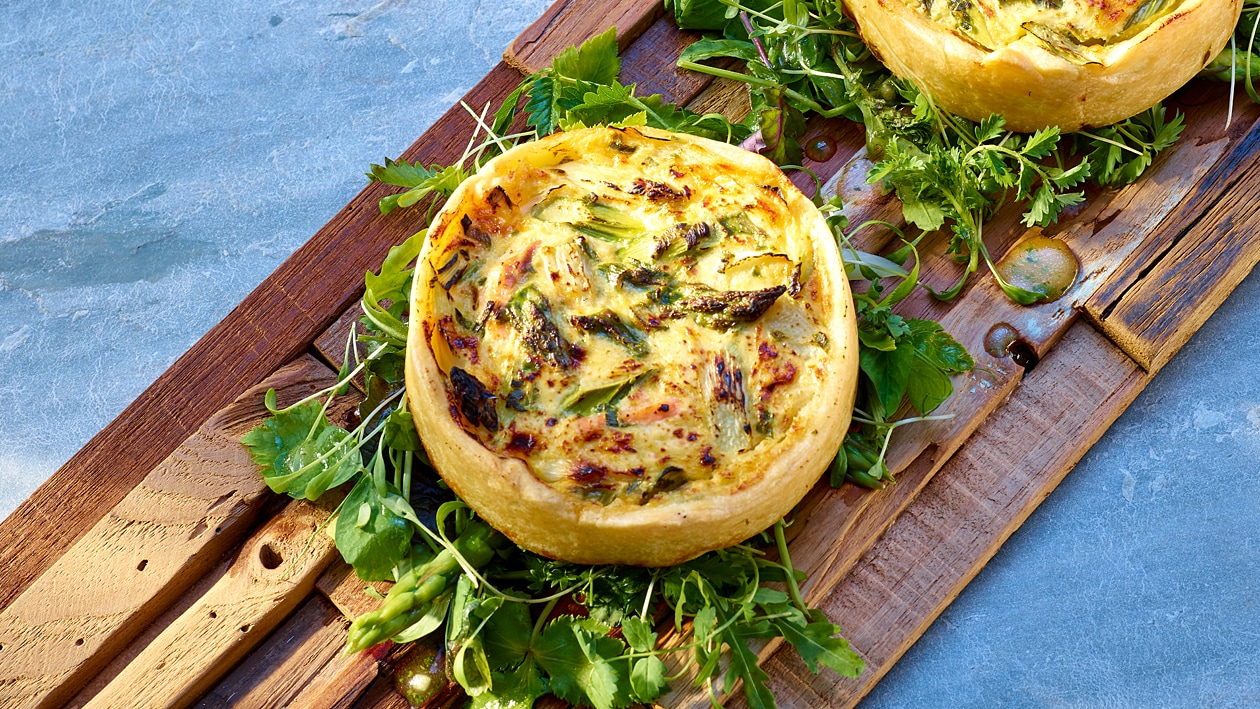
point(160, 159)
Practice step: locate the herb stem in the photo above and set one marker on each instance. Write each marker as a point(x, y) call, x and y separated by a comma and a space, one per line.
point(794, 590)
point(542, 620)
point(726, 74)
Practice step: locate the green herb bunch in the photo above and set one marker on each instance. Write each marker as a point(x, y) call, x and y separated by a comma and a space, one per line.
point(803, 57)
point(516, 625)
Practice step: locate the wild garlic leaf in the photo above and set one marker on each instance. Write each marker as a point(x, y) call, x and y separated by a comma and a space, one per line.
point(710, 48)
point(370, 537)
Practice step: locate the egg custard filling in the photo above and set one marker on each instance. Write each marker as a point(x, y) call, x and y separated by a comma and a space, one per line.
point(637, 320)
point(1076, 30)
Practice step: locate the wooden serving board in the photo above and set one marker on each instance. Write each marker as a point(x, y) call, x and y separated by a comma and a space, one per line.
point(180, 581)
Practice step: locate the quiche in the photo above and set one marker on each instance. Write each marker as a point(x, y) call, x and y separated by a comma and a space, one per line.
point(1071, 63)
point(630, 346)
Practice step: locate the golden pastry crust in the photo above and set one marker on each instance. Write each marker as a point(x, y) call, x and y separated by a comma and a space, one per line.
point(630, 346)
point(1033, 86)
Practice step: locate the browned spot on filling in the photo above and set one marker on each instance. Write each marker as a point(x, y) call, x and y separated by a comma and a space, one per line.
point(522, 443)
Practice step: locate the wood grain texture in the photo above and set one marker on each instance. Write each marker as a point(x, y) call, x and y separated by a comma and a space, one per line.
point(1182, 272)
point(965, 514)
point(354, 675)
point(346, 591)
point(571, 22)
point(271, 576)
point(1155, 317)
point(330, 346)
point(164, 535)
point(649, 64)
point(273, 325)
point(1205, 106)
point(302, 653)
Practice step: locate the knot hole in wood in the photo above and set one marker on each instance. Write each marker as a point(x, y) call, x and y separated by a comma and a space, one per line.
point(269, 557)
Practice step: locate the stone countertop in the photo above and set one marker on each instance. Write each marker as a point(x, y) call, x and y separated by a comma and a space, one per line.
point(162, 158)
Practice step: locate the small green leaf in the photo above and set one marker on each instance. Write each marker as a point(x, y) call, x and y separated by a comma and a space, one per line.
point(638, 634)
point(889, 372)
point(927, 387)
point(819, 644)
point(595, 61)
point(506, 635)
point(647, 679)
point(517, 689)
point(744, 666)
point(579, 659)
point(375, 547)
point(429, 622)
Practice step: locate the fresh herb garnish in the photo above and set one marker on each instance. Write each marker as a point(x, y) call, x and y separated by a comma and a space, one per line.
point(506, 644)
point(804, 57)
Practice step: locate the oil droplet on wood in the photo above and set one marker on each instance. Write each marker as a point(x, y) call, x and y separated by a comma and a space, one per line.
point(420, 677)
point(1041, 265)
point(820, 149)
point(998, 342)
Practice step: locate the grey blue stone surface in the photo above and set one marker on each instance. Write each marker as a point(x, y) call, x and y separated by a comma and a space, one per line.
point(160, 159)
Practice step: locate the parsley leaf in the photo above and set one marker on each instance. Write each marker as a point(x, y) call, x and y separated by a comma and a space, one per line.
point(580, 659)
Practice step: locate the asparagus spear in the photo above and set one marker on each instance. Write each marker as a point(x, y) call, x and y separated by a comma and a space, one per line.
point(410, 599)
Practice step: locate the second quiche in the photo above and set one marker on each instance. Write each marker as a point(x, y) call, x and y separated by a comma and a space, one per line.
point(630, 346)
point(1070, 63)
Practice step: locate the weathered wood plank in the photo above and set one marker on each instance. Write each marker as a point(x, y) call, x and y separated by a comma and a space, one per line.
point(1192, 263)
point(1205, 106)
point(294, 658)
point(649, 64)
point(346, 591)
point(271, 576)
point(1158, 314)
point(342, 689)
point(273, 325)
point(571, 22)
point(164, 535)
point(967, 511)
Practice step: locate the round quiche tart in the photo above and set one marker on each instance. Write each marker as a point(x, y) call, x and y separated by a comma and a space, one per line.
point(630, 346)
point(1070, 63)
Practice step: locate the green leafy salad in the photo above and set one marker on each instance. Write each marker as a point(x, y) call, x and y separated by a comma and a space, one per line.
point(515, 626)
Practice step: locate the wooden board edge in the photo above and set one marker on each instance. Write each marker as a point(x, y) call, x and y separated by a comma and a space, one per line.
point(571, 22)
